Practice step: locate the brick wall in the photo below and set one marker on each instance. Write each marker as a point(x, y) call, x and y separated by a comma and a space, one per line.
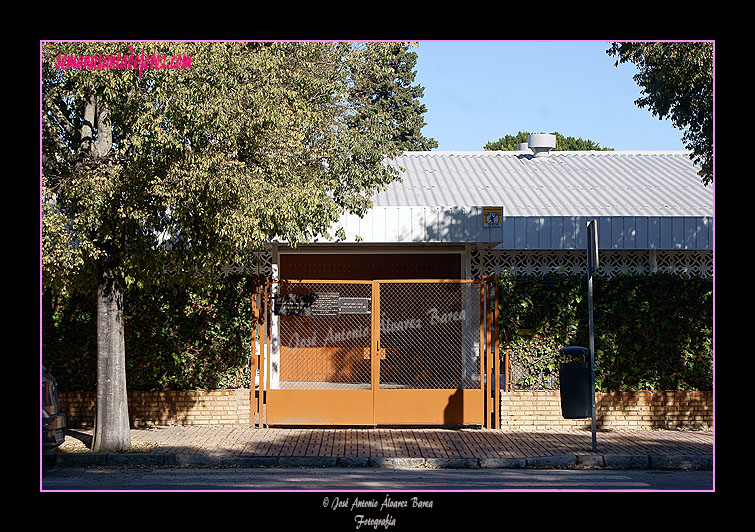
point(519, 410)
point(626, 410)
point(194, 407)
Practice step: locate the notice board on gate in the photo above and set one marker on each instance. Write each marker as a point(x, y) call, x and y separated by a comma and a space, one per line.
point(324, 304)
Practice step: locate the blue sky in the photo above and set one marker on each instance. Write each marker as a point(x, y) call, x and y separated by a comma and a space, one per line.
point(476, 92)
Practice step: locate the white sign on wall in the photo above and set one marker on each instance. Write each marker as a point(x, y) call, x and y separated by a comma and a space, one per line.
point(492, 217)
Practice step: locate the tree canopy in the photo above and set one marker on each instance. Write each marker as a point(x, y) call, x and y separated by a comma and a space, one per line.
point(393, 97)
point(511, 143)
point(200, 164)
point(182, 157)
point(676, 81)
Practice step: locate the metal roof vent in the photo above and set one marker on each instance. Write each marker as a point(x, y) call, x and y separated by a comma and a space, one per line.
point(541, 144)
point(523, 146)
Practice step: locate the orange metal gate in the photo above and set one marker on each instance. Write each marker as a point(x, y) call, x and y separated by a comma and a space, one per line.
point(368, 353)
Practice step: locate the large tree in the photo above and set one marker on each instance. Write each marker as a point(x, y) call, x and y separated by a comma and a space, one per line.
point(182, 157)
point(393, 96)
point(676, 81)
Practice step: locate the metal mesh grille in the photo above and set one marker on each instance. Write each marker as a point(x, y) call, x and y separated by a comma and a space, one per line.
point(430, 334)
point(324, 335)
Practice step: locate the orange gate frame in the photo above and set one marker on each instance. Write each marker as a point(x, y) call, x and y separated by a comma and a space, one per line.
point(411, 406)
point(489, 296)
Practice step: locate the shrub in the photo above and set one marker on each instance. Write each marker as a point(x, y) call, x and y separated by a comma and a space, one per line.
point(652, 332)
point(176, 338)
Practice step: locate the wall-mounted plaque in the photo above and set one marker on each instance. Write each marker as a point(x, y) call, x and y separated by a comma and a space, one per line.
point(314, 304)
point(354, 305)
point(324, 304)
point(319, 304)
point(292, 304)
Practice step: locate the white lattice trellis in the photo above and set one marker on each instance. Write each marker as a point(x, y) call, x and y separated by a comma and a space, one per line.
point(264, 267)
point(486, 261)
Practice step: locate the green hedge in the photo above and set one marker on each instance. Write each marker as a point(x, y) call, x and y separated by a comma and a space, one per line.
point(652, 332)
point(176, 339)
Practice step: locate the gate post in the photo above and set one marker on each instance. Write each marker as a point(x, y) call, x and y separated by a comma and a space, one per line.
point(260, 307)
point(374, 345)
point(483, 353)
point(264, 349)
point(496, 363)
point(488, 356)
point(489, 345)
point(253, 358)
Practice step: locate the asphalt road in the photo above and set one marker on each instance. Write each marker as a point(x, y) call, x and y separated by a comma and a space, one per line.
point(369, 479)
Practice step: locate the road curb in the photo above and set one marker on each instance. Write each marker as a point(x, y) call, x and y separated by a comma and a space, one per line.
point(608, 461)
point(503, 463)
point(686, 461)
point(626, 461)
point(567, 461)
point(396, 463)
point(307, 461)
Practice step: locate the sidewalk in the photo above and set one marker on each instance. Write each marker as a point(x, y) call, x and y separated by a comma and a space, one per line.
point(243, 446)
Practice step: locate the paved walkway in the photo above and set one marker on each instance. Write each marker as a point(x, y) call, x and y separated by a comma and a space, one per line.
point(243, 446)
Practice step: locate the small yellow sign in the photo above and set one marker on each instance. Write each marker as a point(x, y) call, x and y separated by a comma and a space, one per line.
point(492, 217)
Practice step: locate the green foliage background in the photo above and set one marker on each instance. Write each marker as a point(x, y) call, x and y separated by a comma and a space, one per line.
point(652, 332)
point(177, 338)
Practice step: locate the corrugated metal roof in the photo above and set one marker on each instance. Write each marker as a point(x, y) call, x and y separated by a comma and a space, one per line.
point(580, 183)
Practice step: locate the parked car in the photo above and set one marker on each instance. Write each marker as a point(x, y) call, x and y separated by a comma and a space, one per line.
point(53, 418)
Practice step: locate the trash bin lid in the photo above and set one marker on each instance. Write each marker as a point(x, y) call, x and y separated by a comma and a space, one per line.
point(574, 350)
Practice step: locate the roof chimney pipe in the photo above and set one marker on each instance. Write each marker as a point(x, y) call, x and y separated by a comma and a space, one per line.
point(541, 144)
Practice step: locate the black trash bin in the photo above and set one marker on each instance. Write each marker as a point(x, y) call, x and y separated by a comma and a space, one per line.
point(576, 396)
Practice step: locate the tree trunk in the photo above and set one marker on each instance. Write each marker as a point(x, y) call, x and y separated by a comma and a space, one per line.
point(111, 424)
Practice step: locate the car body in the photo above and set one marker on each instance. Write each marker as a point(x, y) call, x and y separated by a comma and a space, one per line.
point(53, 417)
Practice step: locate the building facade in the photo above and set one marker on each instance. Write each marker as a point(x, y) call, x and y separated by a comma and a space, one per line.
point(409, 347)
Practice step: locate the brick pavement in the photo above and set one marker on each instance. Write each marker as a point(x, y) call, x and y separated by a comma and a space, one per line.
point(237, 440)
point(421, 447)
